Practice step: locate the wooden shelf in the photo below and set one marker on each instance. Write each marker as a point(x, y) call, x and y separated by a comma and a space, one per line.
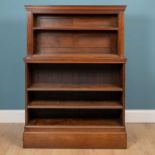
point(79, 54)
point(77, 58)
point(87, 129)
point(74, 104)
point(76, 28)
point(73, 122)
point(52, 87)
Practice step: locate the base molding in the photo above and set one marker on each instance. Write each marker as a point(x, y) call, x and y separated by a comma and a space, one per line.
point(75, 139)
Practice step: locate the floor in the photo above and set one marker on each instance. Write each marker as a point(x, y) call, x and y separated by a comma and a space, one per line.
point(141, 141)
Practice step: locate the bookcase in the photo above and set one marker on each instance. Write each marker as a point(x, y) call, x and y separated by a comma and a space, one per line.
point(75, 77)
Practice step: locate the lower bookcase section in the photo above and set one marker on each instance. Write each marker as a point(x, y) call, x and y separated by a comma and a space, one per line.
point(75, 128)
point(112, 138)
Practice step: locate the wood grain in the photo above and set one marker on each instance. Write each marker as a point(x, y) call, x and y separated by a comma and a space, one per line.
point(75, 77)
point(76, 42)
point(75, 104)
point(70, 9)
point(72, 21)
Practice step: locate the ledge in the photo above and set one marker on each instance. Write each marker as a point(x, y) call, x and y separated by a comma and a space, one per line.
point(72, 59)
point(79, 9)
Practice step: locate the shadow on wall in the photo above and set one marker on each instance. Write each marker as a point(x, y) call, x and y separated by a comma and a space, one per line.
point(140, 84)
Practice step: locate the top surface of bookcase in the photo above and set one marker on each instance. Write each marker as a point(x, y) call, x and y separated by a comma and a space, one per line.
point(75, 9)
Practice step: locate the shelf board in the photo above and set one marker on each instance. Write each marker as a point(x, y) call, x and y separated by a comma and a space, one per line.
point(74, 122)
point(60, 87)
point(40, 104)
point(75, 129)
point(76, 28)
point(77, 58)
point(74, 55)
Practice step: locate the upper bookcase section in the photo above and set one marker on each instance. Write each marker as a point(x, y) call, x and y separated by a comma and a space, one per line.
point(75, 32)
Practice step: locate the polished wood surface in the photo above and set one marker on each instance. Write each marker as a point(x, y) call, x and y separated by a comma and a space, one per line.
point(69, 28)
point(81, 140)
point(75, 77)
point(74, 122)
point(75, 104)
point(61, 87)
point(76, 21)
point(77, 58)
point(67, 42)
point(70, 9)
point(75, 100)
point(141, 141)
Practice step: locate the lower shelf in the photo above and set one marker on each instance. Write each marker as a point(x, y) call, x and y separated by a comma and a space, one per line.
point(75, 104)
point(75, 138)
point(63, 87)
point(71, 123)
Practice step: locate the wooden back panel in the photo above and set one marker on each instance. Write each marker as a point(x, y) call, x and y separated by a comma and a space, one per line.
point(72, 75)
point(52, 21)
point(76, 42)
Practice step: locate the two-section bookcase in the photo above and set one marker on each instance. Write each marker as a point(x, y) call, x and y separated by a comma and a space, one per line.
point(75, 77)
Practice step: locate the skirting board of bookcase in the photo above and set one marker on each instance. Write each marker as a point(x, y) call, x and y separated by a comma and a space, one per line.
point(114, 138)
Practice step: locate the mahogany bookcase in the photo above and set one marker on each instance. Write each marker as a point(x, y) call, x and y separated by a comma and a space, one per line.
point(75, 77)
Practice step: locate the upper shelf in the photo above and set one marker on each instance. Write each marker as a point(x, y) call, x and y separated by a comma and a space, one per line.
point(56, 87)
point(85, 58)
point(77, 28)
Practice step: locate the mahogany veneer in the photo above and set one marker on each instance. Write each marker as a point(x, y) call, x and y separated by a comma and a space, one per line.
point(75, 77)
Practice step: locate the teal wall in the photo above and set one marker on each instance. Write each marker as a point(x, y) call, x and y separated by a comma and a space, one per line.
point(139, 48)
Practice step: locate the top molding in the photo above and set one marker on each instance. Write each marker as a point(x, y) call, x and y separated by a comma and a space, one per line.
point(88, 9)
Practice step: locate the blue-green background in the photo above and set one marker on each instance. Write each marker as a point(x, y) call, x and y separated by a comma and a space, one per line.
point(139, 49)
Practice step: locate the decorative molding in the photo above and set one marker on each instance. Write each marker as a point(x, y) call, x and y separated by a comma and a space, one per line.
point(132, 116)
